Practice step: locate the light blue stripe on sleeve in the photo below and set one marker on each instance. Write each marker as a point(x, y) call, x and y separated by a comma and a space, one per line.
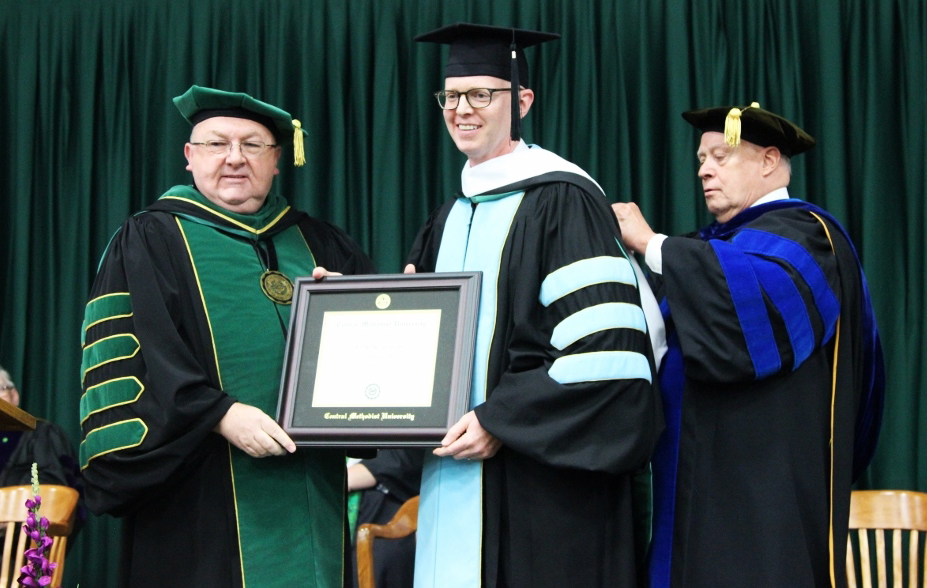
point(600, 365)
point(583, 273)
point(611, 315)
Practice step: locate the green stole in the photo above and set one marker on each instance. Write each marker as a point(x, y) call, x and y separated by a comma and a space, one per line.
point(289, 509)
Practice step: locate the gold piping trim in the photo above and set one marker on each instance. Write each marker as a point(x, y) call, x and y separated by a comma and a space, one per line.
point(833, 400)
point(109, 406)
point(144, 435)
point(120, 358)
point(230, 219)
point(199, 287)
point(109, 318)
point(241, 556)
point(306, 243)
point(91, 301)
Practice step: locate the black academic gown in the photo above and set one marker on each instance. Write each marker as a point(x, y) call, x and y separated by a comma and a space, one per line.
point(177, 330)
point(764, 418)
point(49, 447)
point(557, 496)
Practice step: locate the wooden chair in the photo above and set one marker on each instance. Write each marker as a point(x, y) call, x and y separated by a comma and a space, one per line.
point(877, 511)
point(58, 506)
point(403, 523)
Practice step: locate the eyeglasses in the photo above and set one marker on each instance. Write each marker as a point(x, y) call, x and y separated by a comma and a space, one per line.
point(476, 98)
point(250, 148)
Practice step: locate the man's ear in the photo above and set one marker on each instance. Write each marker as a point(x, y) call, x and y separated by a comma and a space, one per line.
point(772, 157)
point(187, 149)
point(525, 100)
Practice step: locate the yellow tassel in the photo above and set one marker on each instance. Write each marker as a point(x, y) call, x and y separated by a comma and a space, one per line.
point(299, 153)
point(732, 127)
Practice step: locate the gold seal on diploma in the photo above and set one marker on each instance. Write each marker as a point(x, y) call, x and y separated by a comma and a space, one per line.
point(277, 287)
point(383, 301)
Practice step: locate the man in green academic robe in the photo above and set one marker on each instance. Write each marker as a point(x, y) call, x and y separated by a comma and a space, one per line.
point(183, 346)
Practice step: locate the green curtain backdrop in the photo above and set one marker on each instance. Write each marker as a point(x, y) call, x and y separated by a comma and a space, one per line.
point(88, 134)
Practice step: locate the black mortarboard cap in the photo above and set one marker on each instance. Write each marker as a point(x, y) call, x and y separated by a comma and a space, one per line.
point(484, 50)
point(198, 104)
point(752, 124)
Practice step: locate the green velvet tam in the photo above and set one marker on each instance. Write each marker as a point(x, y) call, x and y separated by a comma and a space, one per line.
point(198, 104)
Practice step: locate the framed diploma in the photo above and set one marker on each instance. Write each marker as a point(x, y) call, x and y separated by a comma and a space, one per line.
point(378, 360)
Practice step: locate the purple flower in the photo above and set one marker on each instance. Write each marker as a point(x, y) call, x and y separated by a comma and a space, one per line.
point(38, 570)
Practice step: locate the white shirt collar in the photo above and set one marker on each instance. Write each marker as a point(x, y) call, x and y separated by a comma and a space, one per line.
point(778, 194)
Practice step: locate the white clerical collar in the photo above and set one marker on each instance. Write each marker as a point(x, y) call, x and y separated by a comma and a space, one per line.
point(522, 163)
point(779, 194)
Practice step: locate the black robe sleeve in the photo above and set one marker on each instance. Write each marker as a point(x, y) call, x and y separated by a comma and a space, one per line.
point(178, 403)
point(606, 425)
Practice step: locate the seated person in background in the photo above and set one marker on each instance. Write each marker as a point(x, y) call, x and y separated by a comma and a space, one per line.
point(386, 482)
point(48, 446)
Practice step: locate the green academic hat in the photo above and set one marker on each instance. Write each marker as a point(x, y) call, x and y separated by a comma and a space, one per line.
point(483, 50)
point(198, 103)
point(753, 124)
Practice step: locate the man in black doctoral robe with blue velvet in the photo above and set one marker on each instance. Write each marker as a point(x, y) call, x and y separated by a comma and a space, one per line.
point(533, 487)
point(773, 381)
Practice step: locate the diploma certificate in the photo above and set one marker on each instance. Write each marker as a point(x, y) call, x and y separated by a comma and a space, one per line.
point(377, 358)
point(381, 360)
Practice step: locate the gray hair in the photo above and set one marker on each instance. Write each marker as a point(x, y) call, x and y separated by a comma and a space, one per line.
point(5, 379)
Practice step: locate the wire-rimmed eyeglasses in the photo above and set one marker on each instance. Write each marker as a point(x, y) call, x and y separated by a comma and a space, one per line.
point(251, 148)
point(476, 97)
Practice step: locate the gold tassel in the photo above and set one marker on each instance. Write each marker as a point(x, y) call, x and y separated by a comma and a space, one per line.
point(732, 125)
point(299, 153)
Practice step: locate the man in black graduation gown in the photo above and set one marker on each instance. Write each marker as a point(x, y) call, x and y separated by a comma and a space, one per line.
point(47, 445)
point(183, 344)
point(773, 381)
point(532, 487)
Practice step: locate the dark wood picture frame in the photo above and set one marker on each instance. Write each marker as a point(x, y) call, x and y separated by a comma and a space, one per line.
point(455, 295)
